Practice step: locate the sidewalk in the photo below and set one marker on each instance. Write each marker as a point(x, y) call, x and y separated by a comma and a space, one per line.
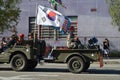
point(112, 61)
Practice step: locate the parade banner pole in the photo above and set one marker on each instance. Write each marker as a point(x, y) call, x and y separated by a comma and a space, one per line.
point(55, 30)
point(35, 24)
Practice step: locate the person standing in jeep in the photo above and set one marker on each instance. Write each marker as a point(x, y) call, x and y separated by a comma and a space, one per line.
point(20, 39)
point(30, 36)
point(3, 44)
point(12, 41)
point(70, 38)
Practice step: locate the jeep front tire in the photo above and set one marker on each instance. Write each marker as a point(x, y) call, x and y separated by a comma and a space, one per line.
point(18, 62)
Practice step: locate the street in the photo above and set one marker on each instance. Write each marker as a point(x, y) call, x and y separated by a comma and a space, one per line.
point(54, 71)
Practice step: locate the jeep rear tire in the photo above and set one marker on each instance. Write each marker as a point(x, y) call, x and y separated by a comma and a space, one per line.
point(76, 64)
point(18, 62)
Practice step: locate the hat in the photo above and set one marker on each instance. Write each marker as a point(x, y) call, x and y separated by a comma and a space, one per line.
point(21, 35)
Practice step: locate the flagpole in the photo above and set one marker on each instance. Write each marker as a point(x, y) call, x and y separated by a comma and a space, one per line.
point(35, 24)
point(55, 30)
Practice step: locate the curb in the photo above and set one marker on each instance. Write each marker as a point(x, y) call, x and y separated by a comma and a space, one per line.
point(111, 61)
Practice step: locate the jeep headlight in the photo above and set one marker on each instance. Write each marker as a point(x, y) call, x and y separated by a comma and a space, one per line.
point(92, 54)
point(27, 50)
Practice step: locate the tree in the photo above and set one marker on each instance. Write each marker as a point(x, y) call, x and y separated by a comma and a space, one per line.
point(9, 13)
point(114, 10)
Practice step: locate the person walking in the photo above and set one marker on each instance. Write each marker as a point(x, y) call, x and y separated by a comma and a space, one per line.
point(106, 48)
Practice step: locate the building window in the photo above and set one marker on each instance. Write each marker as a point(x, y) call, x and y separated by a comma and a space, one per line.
point(31, 24)
point(93, 9)
point(46, 32)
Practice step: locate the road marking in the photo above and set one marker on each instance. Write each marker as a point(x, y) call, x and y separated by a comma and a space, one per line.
point(15, 77)
point(107, 75)
point(27, 77)
point(86, 74)
point(49, 75)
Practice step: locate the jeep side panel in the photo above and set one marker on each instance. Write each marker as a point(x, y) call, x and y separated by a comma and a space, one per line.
point(18, 49)
point(62, 55)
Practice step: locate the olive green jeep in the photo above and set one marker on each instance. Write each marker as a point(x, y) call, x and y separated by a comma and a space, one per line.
point(22, 57)
point(26, 56)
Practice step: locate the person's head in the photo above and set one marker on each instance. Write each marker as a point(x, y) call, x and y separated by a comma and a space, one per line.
point(71, 29)
point(90, 41)
point(76, 38)
point(106, 40)
point(3, 39)
point(30, 35)
point(11, 38)
point(21, 36)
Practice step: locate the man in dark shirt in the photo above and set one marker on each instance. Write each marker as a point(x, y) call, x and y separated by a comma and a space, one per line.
point(12, 41)
point(106, 47)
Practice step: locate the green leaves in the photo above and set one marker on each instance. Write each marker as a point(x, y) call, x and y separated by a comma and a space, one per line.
point(9, 13)
point(114, 10)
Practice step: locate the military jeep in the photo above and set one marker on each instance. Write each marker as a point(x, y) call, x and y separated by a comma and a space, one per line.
point(78, 60)
point(26, 56)
point(21, 57)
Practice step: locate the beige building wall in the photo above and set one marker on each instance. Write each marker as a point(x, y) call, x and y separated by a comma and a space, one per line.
point(90, 23)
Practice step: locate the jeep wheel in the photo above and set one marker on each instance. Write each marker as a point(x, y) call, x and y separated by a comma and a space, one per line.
point(18, 62)
point(76, 64)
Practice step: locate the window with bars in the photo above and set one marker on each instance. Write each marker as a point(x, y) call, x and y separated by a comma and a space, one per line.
point(47, 32)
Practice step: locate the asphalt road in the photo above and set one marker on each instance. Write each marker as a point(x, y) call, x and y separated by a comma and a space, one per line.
point(60, 72)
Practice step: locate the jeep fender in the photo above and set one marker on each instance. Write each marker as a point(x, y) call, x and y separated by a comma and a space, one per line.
point(15, 53)
point(74, 54)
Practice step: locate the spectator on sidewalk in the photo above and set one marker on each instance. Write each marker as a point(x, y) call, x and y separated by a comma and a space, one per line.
point(106, 48)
